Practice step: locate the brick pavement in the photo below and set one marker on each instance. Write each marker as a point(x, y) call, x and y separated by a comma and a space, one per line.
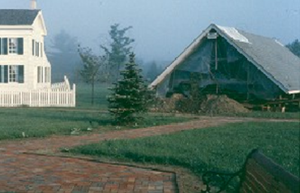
point(23, 172)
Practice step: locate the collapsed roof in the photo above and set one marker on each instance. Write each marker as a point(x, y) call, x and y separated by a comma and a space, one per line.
point(235, 60)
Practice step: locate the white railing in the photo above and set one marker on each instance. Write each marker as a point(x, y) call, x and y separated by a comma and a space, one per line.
point(60, 95)
point(61, 86)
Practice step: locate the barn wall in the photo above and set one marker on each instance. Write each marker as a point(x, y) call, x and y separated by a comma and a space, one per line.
point(232, 74)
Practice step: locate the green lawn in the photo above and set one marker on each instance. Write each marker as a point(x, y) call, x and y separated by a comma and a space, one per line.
point(41, 122)
point(269, 115)
point(223, 147)
point(83, 96)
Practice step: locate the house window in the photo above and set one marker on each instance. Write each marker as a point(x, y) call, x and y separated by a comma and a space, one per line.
point(37, 49)
point(41, 49)
point(11, 46)
point(47, 74)
point(40, 74)
point(11, 73)
point(33, 45)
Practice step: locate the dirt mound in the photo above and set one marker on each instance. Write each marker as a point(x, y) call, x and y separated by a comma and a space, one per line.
point(221, 105)
point(167, 104)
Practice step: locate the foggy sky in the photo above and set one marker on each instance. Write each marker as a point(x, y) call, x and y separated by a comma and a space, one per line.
point(164, 28)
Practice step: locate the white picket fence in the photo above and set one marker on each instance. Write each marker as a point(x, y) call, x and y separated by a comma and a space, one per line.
point(60, 95)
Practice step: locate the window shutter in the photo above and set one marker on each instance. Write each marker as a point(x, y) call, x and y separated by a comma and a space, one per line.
point(0, 52)
point(4, 46)
point(21, 74)
point(5, 74)
point(20, 46)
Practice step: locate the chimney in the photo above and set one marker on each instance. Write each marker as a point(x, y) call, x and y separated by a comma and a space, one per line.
point(33, 4)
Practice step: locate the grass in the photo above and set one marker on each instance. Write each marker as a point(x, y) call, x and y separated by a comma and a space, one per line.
point(42, 122)
point(268, 115)
point(222, 148)
point(83, 94)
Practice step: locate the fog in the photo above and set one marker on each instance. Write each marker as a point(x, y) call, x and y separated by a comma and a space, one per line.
point(163, 28)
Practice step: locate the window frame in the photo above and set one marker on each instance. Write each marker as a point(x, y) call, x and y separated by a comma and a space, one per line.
point(11, 46)
point(40, 74)
point(12, 74)
point(37, 49)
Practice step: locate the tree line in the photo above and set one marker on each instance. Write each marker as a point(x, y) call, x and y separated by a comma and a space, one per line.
point(63, 55)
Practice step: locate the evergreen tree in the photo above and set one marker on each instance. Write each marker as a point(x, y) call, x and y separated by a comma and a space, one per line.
point(153, 71)
point(294, 47)
point(128, 95)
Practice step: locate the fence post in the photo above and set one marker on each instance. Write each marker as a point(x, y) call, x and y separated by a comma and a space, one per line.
point(49, 102)
point(39, 98)
point(57, 97)
point(74, 95)
point(12, 99)
point(21, 98)
point(30, 98)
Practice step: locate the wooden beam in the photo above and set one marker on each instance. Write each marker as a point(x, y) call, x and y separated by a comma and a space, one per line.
point(216, 54)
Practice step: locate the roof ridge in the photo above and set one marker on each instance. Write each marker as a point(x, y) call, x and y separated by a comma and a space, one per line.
point(247, 32)
point(20, 9)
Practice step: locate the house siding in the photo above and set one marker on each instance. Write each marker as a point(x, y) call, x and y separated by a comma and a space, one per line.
point(30, 62)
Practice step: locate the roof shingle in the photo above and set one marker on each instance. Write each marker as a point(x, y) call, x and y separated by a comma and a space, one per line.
point(275, 60)
point(18, 16)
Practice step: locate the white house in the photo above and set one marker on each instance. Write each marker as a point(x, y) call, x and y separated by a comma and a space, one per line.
point(25, 72)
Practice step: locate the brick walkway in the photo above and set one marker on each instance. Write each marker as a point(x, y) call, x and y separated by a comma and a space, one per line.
point(23, 172)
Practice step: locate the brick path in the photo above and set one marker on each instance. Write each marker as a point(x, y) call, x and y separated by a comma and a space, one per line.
point(23, 172)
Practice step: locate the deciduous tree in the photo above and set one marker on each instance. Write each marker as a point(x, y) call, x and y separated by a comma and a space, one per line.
point(117, 51)
point(90, 72)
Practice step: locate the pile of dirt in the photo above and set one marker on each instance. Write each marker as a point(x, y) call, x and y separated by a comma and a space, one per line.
point(167, 104)
point(221, 105)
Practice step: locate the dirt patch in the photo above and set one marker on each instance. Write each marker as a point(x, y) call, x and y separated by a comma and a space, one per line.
point(167, 105)
point(221, 104)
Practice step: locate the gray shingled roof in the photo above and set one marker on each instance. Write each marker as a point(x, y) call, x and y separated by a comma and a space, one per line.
point(17, 16)
point(272, 58)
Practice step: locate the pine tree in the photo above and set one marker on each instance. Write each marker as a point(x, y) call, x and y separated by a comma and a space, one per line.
point(128, 95)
